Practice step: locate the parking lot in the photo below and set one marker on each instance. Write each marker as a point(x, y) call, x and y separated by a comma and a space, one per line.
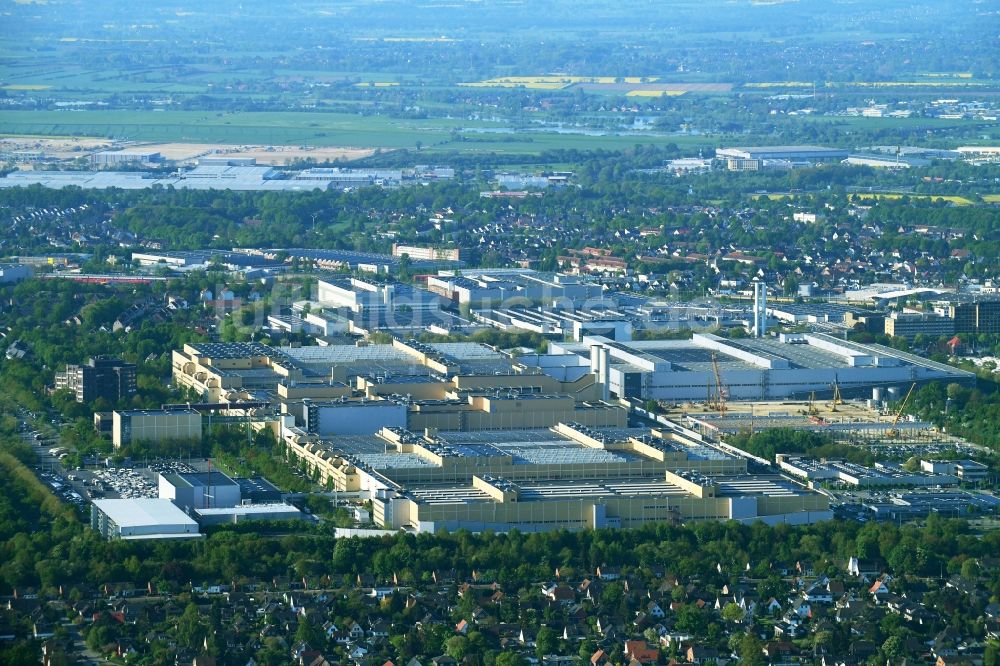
point(64, 487)
point(79, 486)
point(121, 482)
point(128, 482)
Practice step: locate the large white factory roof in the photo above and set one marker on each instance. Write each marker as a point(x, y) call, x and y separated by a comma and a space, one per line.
point(248, 178)
point(764, 152)
point(143, 512)
point(770, 485)
point(251, 510)
point(768, 368)
point(810, 351)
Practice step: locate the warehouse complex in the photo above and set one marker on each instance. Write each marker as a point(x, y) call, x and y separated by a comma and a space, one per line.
point(346, 389)
point(186, 500)
point(461, 435)
point(424, 376)
point(754, 158)
point(750, 369)
point(452, 435)
point(483, 287)
point(569, 476)
point(222, 174)
point(617, 322)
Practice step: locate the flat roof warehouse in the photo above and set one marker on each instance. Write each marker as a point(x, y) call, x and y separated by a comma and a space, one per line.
point(781, 152)
point(752, 369)
point(220, 177)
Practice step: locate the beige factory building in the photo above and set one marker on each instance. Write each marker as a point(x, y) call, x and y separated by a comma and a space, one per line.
point(447, 386)
point(566, 477)
point(479, 440)
point(426, 371)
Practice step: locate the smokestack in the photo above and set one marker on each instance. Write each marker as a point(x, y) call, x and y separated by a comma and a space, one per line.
point(605, 378)
point(595, 360)
point(759, 308)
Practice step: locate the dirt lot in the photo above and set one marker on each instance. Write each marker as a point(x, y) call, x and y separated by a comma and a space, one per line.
point(68, 148)
point(273, 155)
point(71, 148)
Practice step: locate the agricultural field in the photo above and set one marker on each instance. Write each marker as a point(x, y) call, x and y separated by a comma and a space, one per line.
point(555, 82)
point(264, 128)
point(890, 196)
point(772, 197)
point(477, 77)
point(630, 86)
point(912, 124)
point(941, 82)
point(952, 199)
point(351, 134)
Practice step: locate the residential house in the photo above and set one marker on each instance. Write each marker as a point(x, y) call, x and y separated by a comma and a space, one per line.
point(379, 629)
point(697, 654)
point(609, 573)
point(563, 594)
point(863, 568)
point(600, 658)
point(879, 588)
point(776, 649)
point(355, 632)
point(641, 651)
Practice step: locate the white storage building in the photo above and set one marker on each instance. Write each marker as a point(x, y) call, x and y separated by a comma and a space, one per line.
point(143, 518)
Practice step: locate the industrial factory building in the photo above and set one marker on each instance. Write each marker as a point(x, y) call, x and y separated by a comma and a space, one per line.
point(794, 153)
point(136, 519)
point(227, 173)
point(155, 425)
point(513, 287)
point(569, 476)
point(767, 368)
point(347, 390)
point(199, 490)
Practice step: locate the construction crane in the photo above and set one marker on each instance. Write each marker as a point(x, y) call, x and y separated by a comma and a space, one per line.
point(720, 390)
point(813, 411)
point(837, 400)
point(894, 431)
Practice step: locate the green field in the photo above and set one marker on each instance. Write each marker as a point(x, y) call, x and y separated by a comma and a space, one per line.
point(317, 129)
point(950, 198)
point(862, 123)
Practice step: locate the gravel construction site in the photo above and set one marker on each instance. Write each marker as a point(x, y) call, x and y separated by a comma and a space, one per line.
point(270, 155)
point(852, 422)
point(71, 148)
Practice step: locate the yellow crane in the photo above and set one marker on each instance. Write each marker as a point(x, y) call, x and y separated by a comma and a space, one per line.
point(894, 431)
point(837, 400)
